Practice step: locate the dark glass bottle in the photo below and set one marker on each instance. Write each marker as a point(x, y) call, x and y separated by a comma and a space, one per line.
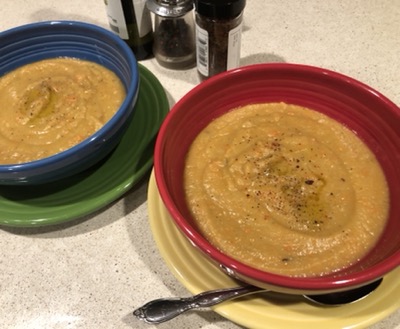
point(131, 20)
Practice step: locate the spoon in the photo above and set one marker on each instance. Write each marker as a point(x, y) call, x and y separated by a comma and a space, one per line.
point(164, 309)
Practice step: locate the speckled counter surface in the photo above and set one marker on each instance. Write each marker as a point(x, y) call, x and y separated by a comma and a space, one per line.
point(92, 272)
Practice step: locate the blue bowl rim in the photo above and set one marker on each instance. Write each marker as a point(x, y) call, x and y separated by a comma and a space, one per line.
point(131, 91)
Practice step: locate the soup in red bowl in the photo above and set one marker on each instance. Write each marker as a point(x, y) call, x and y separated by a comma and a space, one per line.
point(363, 113)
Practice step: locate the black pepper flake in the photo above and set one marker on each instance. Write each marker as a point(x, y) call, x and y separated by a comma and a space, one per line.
point(309, 182)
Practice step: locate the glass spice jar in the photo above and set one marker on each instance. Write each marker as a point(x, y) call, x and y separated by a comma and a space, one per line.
point(174, 36)
point(218, 35)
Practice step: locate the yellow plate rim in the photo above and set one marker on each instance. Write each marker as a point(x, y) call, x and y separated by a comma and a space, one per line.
point(198, 274)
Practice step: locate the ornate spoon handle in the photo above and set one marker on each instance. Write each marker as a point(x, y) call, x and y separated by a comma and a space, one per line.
point(164, 309)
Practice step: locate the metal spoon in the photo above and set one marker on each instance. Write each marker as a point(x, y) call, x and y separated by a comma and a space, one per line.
point(164, 309)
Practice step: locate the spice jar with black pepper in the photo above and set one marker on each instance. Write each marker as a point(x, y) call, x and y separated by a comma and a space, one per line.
point(218, 35)
point(174, 34)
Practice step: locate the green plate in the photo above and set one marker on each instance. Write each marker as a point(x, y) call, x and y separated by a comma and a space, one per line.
point(82, 194)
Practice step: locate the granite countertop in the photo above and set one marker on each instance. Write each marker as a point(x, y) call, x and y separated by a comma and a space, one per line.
point(92, 272)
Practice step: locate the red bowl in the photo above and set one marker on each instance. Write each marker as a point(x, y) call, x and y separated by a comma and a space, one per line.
point(372, 116)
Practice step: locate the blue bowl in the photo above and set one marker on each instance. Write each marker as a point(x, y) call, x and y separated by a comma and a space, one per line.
point(37, 41)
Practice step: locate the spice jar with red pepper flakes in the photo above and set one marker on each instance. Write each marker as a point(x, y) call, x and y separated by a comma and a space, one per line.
point(218, 35)
point(174, 36)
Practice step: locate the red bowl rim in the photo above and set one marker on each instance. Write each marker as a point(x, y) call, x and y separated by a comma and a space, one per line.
point(323, 283)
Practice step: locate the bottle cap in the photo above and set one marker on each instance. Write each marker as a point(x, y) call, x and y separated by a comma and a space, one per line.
point(169, 8)
point(219, 9)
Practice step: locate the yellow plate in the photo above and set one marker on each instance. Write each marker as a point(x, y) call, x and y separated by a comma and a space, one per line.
point(268, 310)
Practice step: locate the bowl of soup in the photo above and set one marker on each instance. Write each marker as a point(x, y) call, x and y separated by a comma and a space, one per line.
point(68, 91)
point(285, 176)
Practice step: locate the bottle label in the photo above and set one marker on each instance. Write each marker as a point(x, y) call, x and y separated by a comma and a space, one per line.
point(202, 47)
point(143, 18)
point(117, 22)
point(116, 18)
point(234, 42)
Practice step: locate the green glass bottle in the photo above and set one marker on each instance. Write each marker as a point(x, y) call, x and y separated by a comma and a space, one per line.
point(131, 20)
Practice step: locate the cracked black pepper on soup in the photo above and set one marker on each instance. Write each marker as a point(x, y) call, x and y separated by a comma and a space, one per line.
point(51, 105)
point(286, 189)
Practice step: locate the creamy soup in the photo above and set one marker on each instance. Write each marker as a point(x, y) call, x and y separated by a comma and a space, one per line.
point(286, 189)
point(51, 105)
